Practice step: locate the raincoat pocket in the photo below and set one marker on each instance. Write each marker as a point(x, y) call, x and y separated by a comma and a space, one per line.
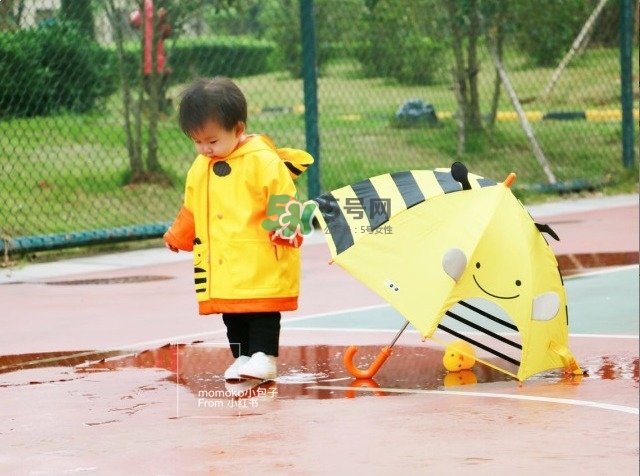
point(254, 265)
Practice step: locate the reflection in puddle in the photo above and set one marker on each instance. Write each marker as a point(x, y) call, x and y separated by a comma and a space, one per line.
point(614, 368)
point(198, 369)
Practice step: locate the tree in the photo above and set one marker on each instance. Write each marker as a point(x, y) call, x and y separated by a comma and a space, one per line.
point(141, 107)
point(134, 150)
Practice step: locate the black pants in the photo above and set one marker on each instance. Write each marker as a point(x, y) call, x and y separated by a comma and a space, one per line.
point(252, 332)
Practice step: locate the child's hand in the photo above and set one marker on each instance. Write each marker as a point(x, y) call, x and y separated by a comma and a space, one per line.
point(294, 242)
point(172, 248)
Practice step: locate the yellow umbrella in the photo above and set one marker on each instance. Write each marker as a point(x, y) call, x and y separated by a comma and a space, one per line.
point(456, 252)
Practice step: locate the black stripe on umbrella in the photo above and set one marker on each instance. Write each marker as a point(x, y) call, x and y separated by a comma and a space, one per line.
point(484, 330)
point(369, 200)
point(408, 188)
point(336, 222)
point(489, 316)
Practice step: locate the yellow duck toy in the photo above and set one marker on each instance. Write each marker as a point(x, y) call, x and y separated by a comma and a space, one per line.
point(459, 355)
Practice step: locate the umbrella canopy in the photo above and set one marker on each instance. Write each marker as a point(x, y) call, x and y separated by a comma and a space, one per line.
point(437, 243)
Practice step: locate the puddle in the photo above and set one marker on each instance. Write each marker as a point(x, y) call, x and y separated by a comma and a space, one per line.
point(198, 368)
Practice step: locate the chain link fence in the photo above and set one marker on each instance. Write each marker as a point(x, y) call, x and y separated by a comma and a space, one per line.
point(91, 152)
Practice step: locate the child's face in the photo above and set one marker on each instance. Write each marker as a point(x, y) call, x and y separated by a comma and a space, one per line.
point(214, 141)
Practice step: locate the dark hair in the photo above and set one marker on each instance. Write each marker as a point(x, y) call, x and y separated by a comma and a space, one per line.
point(218, 99)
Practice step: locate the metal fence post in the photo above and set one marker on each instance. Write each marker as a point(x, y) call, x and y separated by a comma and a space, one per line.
point(310, 80)
point(626, 82)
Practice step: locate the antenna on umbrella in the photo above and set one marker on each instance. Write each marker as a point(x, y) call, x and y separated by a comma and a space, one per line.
point(460, 174)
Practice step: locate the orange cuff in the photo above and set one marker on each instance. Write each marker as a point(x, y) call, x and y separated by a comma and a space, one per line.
point(182, 233)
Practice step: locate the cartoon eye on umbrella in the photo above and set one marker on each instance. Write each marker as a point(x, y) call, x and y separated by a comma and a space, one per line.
point(442, 246)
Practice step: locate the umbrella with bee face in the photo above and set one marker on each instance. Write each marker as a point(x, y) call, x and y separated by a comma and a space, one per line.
point(454, 252)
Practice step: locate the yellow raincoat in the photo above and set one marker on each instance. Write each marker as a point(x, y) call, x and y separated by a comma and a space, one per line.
point(237, 266)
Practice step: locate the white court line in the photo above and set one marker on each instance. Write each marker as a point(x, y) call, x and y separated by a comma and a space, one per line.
point(348, 329)
point(564, 401)
point(335, 313)
point(604, 336)
point(414, 331)
point(222, 331)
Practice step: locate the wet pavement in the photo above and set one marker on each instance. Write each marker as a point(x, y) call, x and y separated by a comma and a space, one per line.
point(106, 369)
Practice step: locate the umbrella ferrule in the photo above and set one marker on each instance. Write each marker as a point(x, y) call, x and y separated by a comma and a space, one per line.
point(509, 180)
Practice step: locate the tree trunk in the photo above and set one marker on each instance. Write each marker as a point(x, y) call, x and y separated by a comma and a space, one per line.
point(474, 115)
point(153, 165)
point(499, 34)
point(135, 159)
point(114, 21)
point(460, 118)
point(460, 85)
point(141, 111)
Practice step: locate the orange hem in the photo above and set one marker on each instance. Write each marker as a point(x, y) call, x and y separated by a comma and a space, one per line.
point(218, 306)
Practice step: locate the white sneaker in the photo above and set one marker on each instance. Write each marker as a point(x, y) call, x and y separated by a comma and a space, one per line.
point(232, 372)
point(261, 366)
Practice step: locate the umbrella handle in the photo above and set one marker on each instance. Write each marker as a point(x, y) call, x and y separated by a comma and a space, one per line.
point(385, 352)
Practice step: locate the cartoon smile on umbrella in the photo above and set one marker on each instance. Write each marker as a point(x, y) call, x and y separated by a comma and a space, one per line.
point(455, 252)
point(491, 294)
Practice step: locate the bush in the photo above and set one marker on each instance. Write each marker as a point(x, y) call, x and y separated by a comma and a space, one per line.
point(213, 56)
point(226, 56)
point(51, 69)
